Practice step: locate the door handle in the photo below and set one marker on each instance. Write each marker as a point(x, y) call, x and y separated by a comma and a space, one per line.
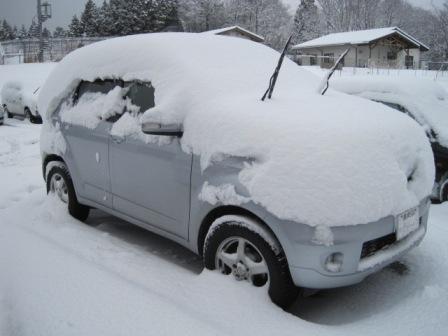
point(117, 139)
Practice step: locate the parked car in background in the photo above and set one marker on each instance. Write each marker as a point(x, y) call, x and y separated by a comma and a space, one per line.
point(20, 101)
point(423, 100)
point(2, 115)
point(284, 194)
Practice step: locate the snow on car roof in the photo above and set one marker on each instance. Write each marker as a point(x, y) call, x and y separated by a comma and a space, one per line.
point(319, 160)
point(358, 37)
point(425, 99)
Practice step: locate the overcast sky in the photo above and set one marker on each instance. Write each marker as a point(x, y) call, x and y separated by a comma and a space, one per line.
point(19, 12)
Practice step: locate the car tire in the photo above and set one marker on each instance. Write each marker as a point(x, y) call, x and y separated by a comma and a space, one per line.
point(29, 116)
point(8, 114)
point(59, 182)
point(282, 290)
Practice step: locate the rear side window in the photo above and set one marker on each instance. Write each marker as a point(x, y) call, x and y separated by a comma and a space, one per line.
point(97, 87)
point(141, 95)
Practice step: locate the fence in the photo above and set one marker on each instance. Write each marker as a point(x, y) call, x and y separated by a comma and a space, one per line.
point(27, 50)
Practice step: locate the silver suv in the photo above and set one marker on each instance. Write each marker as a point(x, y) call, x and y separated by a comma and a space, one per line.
point(159, 185)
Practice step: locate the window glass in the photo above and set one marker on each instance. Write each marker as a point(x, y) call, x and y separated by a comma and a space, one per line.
point(141, 95)
point(328, 58)
point(391, 55)
point(97, 87)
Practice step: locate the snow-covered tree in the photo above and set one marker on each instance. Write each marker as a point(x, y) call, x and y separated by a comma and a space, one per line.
point(202, 15)
point(6, 31)
point(23, 33)
point(90, 19)
point(59, 32)
point(75, 28)
point(33, 31)
point(167, 16)
point(306, 22)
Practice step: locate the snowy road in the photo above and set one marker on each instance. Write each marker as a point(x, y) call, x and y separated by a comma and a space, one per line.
point(62, 277)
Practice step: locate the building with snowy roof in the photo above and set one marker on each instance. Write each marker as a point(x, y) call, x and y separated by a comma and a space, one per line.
point(237, 31)
point(379, 48)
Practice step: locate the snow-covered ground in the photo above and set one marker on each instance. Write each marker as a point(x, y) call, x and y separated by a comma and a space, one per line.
point(59, 276)
point(62, 277)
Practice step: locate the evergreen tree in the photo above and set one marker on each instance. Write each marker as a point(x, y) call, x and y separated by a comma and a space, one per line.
point(22, 34)
point(6, 31)
point(90, 19)
point(75, 28)
point(46, 33)
point(105, 22)
point(167, 18)
point(59, 32)
point(33, 30)
point(306, 22)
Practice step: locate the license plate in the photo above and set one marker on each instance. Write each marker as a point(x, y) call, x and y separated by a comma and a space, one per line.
point(407, 222)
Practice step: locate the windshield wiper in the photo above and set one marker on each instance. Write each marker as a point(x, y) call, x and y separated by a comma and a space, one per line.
point(332, 70)
point(274, 77)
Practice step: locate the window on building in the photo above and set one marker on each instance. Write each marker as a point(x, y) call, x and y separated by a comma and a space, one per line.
point(409, 61)
point(328, 58)
point(313, 59)
point(392, 55)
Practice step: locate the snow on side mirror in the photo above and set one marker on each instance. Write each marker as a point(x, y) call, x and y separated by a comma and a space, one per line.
point(152, 128)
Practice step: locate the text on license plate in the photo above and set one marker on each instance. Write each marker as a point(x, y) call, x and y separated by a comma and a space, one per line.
point(407, 222)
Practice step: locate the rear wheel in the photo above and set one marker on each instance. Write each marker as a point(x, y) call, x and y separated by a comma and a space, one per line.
point(238, 249)
point(8, 114)
point(60, 184)
point(30, 117)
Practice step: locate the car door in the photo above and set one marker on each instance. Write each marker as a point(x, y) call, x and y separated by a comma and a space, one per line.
point(88, 149)
point(150, 181)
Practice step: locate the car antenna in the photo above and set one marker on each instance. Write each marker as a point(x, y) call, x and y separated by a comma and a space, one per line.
point(274, 77)
point(331, 72)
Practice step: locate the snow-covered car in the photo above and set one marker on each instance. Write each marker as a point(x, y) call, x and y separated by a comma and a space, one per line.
point(2, 115)
point(298, 191)
point(423, 100)
point(19, 100)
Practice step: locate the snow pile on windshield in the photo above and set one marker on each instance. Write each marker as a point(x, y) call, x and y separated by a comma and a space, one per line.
point(333, 160)
point(425, 99)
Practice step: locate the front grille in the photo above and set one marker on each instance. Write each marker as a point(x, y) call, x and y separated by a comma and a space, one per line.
point(371, 247)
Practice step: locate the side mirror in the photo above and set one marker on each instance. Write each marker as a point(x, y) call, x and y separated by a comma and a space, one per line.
point(152, 128)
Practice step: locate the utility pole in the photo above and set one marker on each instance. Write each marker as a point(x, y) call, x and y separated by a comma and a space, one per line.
point(43, 14)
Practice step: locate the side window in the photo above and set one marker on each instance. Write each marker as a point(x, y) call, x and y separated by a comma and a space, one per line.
point(141, 95)
point(96, 87)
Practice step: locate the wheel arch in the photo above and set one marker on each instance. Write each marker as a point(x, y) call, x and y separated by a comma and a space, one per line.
point(227, 210)
point(50, 158)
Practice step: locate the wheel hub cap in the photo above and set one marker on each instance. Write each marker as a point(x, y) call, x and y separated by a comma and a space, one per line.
point(59, 187)
point(239, 257)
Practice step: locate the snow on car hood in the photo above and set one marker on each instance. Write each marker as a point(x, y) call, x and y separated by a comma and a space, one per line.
point(333, 160)
point(425, 99)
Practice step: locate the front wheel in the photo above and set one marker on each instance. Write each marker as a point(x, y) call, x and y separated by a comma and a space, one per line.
point(238, 249)
point(30, 117)
point(60, 184)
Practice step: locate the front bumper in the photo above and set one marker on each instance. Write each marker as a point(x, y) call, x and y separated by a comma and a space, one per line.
point(307, 260)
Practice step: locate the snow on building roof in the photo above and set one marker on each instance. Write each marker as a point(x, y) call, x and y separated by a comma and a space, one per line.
point(239, 29)
point(360, 37)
